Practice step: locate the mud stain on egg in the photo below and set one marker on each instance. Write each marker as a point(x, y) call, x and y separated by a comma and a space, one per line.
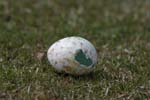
point(82, 58)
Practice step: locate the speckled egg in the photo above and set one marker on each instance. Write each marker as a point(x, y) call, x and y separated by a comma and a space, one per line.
point(72, 55)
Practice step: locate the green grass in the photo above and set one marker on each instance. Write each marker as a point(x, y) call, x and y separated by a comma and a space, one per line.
point(119, 29)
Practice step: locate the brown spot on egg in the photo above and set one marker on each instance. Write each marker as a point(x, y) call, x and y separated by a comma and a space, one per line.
point(67, 69)
point(86, 51)
point(56, 54)
point(52, 49)
point(55, 62)
point(81, 43)
point(73, 43)
point(90, 53)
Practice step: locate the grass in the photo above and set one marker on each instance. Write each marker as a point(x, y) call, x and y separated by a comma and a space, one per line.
point(119, 29)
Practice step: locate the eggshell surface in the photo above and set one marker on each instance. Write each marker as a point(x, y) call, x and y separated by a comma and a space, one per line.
point(72, 55)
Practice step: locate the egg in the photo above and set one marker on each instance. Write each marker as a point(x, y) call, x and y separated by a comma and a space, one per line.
point(72, 55)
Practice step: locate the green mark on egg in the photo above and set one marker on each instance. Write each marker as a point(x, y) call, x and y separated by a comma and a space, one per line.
point(82, 59)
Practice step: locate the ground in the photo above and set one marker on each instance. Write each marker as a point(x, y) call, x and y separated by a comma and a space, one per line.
point(119, 29)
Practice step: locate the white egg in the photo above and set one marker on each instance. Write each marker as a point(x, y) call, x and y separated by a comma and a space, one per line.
point(73, 55)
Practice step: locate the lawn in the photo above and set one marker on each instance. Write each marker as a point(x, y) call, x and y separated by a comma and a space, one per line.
point(119, 29)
